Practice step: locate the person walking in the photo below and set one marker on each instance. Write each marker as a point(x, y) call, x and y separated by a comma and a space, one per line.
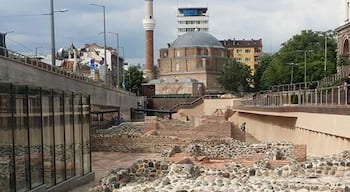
point(243, 127)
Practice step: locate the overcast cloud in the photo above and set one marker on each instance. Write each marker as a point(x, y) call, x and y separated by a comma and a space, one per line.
point(275, 21)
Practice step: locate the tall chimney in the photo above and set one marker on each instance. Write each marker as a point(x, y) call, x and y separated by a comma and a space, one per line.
point(149, 24)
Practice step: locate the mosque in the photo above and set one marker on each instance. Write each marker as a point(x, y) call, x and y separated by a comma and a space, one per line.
point(190, 65)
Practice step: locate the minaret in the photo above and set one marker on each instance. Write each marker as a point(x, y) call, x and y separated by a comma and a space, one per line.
point(347, 11)
point(149, 24)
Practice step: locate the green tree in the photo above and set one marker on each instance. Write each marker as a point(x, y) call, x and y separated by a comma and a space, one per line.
point(235, 77)
point(258, 81)
point(279, 72)
point(134, 79)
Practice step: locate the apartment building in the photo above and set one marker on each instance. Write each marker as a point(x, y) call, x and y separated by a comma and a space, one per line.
point(248, 52)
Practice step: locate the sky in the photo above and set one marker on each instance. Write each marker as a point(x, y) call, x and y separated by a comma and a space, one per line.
point(274, 21)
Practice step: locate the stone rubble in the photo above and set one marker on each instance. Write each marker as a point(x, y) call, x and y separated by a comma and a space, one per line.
point(315, 174)
point(131, 129)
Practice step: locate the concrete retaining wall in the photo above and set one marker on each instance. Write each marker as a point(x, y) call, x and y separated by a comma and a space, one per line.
point(24, 74)
point(323, 135)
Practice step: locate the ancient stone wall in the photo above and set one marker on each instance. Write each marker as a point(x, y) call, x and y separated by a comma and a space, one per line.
point(128, 144)
point(168, 103)
point(156, 134)
point(252, 167)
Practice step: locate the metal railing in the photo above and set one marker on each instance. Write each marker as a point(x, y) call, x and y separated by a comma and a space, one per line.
point(194, 103)
point(324, 97)
point(36, 63)
point(295, 86)
point(330, 80)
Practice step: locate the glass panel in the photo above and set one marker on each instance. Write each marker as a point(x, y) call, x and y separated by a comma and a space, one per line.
point(49, 163)
point(86, 133)
point(78, 135)
point(35, 139)
point(5, 138)
point(69, 133)
point(21, 139)
point(59, 137)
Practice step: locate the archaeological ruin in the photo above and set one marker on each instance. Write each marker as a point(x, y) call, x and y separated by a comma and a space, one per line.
point(209, 153)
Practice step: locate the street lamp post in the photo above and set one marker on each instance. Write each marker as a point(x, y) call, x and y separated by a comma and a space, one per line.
point(36, 52)
point(3, 50)
point(325, 55)
point(104, 38)
point(118, 64)
point(305, 51)
point(304, 69)
point(123, 83)
point(291, 74)
point(52, 13)
point(325, 34)
point(53, 56)
point(3, 38)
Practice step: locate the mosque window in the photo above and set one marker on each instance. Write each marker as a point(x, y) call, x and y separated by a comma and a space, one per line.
point(177, 67)
point(164, 54)
point(204, 51)
point(178, 53)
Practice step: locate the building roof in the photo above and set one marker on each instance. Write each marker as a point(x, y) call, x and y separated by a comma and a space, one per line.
point(196, 39)
point(193, 11)
point(241, 43)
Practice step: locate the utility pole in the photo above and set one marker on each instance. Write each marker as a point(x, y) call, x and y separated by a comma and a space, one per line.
point(291, 74)
point(36, 52)
point(53, 44)
point(325, 54)
point(53, 51)
point(304, 69)
point(104, 38)
point(118, 63)
point(305, 51)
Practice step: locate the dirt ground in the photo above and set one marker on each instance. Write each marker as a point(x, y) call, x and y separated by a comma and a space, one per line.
point(104, 162)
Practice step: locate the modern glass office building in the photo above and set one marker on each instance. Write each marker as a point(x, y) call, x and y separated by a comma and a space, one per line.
point(44, 138)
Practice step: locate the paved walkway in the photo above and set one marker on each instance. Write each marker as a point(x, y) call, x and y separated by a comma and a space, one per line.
point(104, 162)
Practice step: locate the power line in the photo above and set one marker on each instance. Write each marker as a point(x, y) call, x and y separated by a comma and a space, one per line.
point(29, 49)
point(24, 15)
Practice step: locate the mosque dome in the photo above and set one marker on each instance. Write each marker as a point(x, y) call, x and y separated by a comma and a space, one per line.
point(196, 39)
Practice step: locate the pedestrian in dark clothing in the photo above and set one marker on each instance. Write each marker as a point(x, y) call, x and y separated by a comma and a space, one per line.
point(121, 120)
point(243, 126)
point(347, 86)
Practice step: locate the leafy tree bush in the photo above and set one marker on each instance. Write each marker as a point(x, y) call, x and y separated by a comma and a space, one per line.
point(235, 77)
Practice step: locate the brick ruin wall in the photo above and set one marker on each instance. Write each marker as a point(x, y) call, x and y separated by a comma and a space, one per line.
point(157, 135)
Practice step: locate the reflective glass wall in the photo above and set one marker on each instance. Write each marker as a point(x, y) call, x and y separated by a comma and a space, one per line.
point(44, 137)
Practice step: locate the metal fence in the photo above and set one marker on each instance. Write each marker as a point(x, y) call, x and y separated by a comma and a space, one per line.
point(328, 96)
point(330, 80)
point(295, 86)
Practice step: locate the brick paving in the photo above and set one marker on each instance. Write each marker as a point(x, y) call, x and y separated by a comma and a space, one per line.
point(104, 162)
